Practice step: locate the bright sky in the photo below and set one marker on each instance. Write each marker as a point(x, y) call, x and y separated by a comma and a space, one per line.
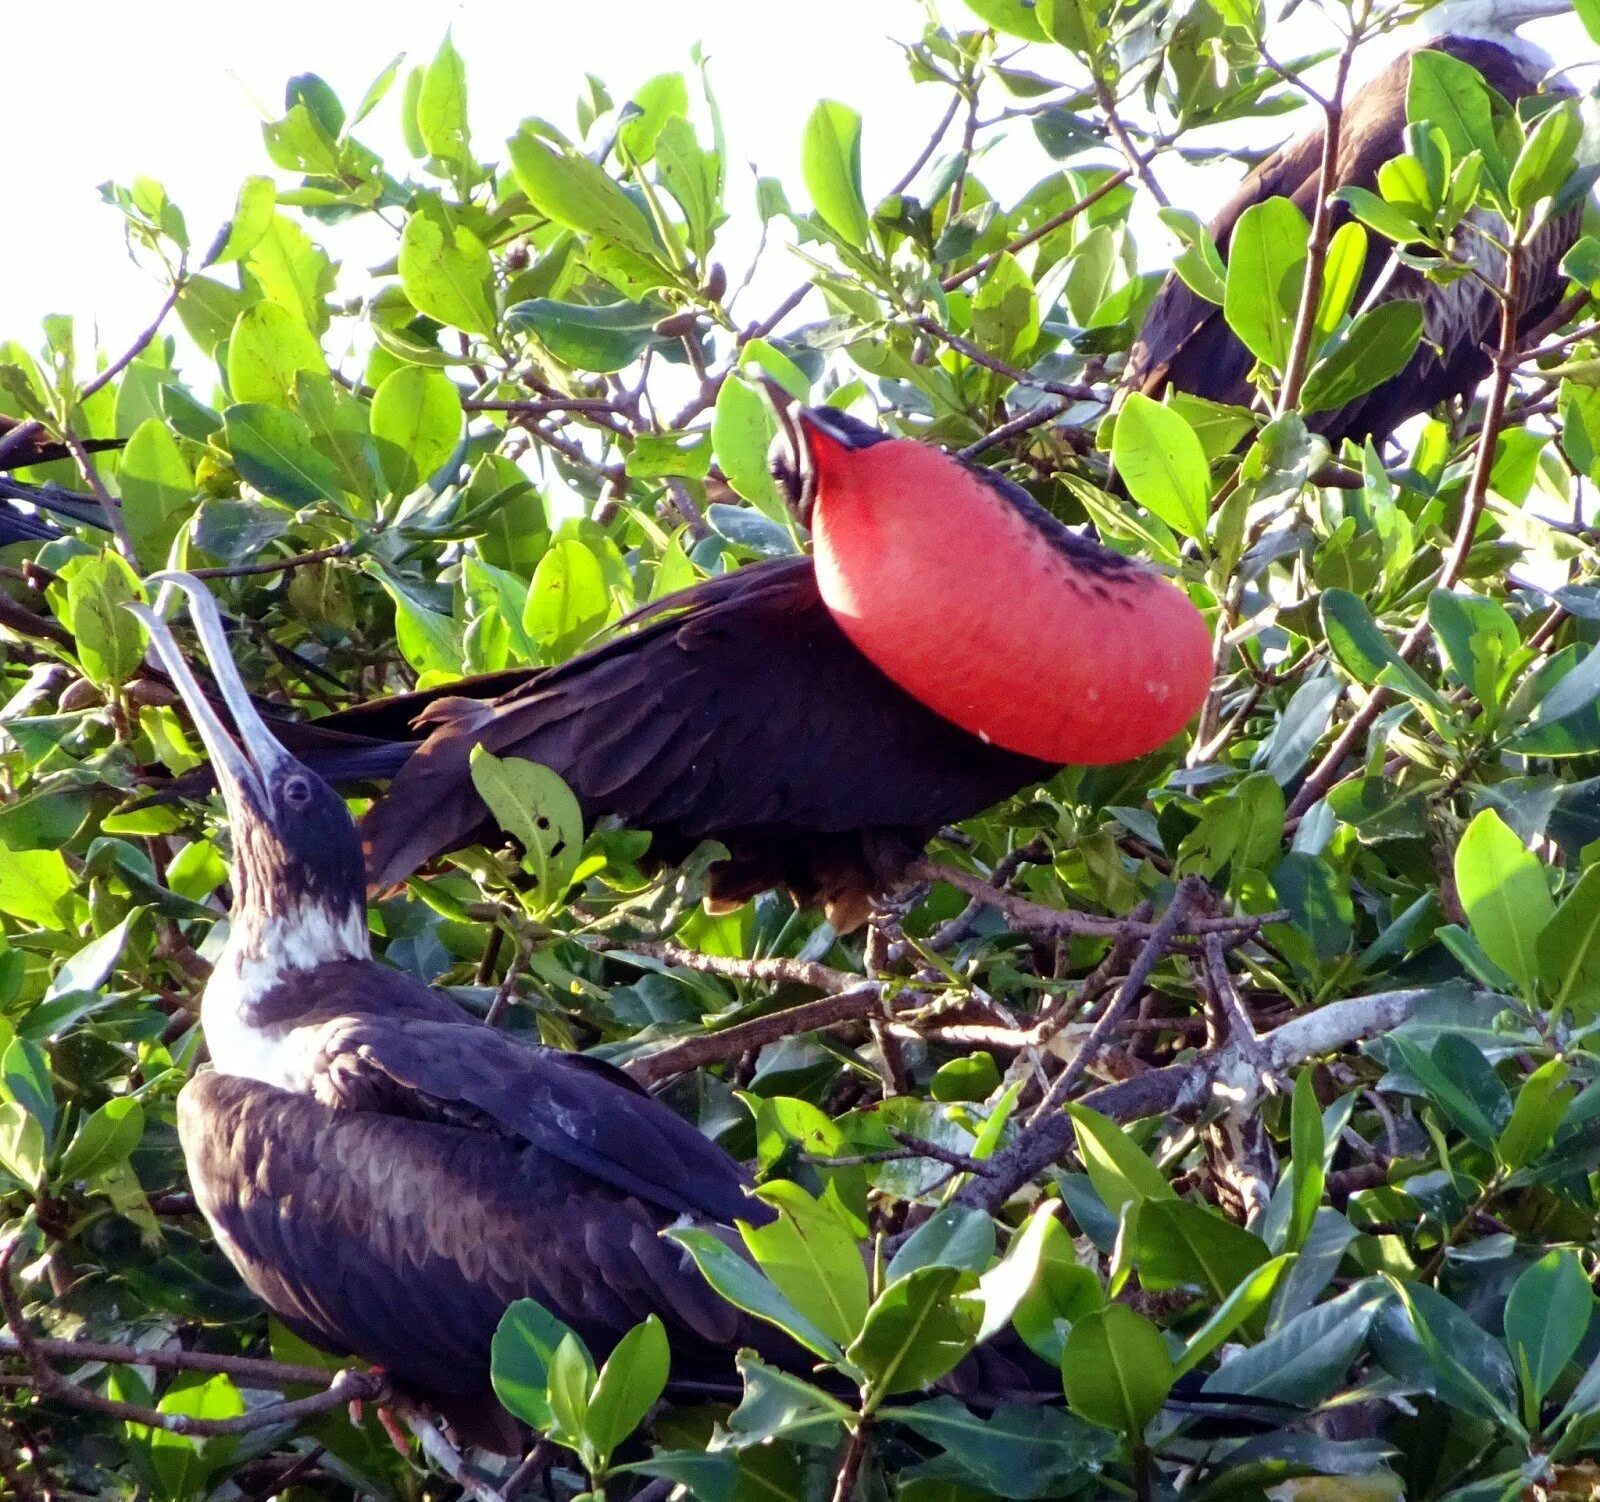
point(177, 90)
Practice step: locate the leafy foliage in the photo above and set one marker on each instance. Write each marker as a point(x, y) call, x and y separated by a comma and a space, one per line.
point(1343, 1152)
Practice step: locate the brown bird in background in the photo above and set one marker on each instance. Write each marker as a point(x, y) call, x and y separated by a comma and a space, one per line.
point(1186, 344)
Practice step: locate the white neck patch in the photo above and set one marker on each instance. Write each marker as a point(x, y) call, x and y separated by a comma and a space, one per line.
point(249, 968)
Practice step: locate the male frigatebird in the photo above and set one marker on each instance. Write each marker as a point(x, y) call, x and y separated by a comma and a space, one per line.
point(387, 1173)
point(1185, 342)
point(950, 643)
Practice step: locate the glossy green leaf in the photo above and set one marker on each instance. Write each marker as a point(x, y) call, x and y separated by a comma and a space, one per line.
point(269, 346)
point(830, 162)
point(811, 1253)
point(1117, 1369)
point(1547, 1316)
point(446, 273)
point(1266, 269)
point(416, 424)
point(533, 804)
point(917, 1329)
point(633, 1377)
point(158, 493)
point(1163, 464)
point(1504, 894)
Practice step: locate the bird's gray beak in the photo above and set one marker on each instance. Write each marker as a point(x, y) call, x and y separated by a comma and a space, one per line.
point(1514, 13)
point(242, 774)
point(790, 457)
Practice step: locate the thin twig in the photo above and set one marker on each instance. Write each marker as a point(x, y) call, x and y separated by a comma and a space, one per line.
point(275, 565)
point(1038, 232)
point(1150, 955)
point(856, 1005)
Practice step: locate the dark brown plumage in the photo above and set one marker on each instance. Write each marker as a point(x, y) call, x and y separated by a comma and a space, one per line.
point(388, 1174)
point(1186, 343)
point(736, 711)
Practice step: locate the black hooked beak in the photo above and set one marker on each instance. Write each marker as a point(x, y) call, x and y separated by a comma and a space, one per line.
point(246, 768)
point(789, 458)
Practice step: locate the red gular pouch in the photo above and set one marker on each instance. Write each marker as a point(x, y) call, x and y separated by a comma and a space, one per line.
point(966, 592)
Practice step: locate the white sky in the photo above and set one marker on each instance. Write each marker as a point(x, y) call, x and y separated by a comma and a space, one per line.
point(177, 90)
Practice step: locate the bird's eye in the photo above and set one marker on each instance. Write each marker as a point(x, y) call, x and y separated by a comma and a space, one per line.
point(297, 792)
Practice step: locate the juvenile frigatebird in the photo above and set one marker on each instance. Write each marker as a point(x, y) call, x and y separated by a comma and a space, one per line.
point(389, 1174)
point(1186, 343)
point(950, 644)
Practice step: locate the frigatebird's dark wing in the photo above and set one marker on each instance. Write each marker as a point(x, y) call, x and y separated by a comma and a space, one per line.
point(395, 1046)
point(737, 710)
point(1187, 345)
point(405, 1240)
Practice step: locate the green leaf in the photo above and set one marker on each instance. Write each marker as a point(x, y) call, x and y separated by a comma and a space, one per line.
point(1540, 1105)
point(654, 102)
point(416, 424)
point(1120, 1173)
point(746, 1288)
point(105, 1138)
point(693, 176)
point(533, 805)
point(811, 1253)
point(779, 1405)
point(1364, 652)
point(1063, 1293)
point(566, 187)
point(272, 450)
point(22, 1144)
point(634, 1376)
point(525, 1341)
point(1504, 895)
point(567, 602)
point(917, 1329)
point(1266, 269)
point(1176, 1244)
point(1449, 1094)
point(1341, 277)
point(1547, 160)
point(1306, 1358)
point(1479, 638)
point(1004, 1286)
point(252, 218)
point(1427, 1339)
point(606, 338)
point(742, 430)
point(441, 107)
point(1018, 18)
point(1117, 1370)
point(269, 346)
point(35, 886)
point(830, 163)
point(1016, 1451)
point(1163, 464)
point(158, 494)
point(110, 641)
point(956, 1236)
point(1318, 900)
point(571, 1379)
point(1309, 1151)
point(1377, 346)
point(1005, 311)
point(1568, 949)
point(1380, 215)
point(446, 274)
point(1547, 1317)
point(1248, 1299)
point(1451, 94)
